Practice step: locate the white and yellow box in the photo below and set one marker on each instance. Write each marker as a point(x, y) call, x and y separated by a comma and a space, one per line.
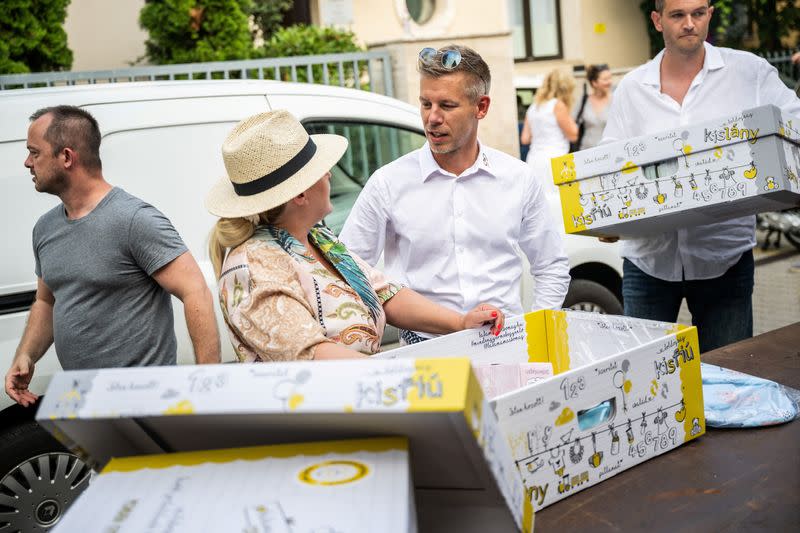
point(464, 476)
point(623, 390)
point(355, 486)
point(698, 174)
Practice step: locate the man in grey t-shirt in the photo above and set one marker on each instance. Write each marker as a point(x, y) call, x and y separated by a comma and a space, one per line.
point(106, 264)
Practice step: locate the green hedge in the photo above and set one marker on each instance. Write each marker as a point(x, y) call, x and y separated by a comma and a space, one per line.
point(192, 31)
point(33, 37)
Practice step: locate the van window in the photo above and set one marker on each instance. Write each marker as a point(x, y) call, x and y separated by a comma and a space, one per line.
point(371, 146)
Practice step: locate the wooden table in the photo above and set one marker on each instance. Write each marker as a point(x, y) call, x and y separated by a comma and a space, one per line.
point(727, 480)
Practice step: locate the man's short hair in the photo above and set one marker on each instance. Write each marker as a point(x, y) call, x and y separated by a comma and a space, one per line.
point(73, 127)
point(471, 63)
point(660, 5)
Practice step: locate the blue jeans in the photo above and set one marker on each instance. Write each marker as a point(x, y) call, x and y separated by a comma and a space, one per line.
point(722, 308)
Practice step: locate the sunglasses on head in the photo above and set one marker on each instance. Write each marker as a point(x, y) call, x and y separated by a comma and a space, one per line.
point(449, 59)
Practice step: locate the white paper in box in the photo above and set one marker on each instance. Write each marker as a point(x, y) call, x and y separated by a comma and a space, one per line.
point(697, 174)
point(460, 460)
point(624, 390)
point(355, 486)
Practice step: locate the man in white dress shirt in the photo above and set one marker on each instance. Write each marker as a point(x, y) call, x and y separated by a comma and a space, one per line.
point(451, 216)
point(712, 265)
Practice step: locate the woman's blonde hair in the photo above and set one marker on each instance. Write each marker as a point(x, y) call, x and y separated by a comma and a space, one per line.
point(228, 233)
point(557, 84)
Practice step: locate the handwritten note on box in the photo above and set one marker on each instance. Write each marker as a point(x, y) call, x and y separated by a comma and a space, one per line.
point(500, 378)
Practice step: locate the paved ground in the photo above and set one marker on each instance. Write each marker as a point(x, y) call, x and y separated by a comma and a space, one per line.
point(776, 297)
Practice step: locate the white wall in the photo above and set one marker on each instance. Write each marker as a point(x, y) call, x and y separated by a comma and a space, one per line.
point(104, 34)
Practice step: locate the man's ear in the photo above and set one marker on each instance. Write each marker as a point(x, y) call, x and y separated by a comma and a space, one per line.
point(655, 16)
point(483, 106)
point(69, 157)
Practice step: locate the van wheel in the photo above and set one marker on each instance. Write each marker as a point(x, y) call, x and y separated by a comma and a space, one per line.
point(39, 479)
point(587, 295)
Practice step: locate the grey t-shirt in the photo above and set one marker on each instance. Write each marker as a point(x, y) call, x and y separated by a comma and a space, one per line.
point(108, 311)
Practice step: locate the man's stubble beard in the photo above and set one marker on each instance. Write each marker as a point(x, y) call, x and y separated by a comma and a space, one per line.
point(55, 185)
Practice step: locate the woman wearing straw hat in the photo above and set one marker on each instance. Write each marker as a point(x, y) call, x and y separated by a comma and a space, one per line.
point(288, 288)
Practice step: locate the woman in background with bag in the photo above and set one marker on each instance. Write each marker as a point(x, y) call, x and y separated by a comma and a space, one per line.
point(549, 127)
point(591, 116)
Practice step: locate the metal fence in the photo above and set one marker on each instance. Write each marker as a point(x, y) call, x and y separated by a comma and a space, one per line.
point(360, 70)
point(788, 71)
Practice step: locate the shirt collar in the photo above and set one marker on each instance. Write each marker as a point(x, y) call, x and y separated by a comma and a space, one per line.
point(428, 165)
point(712, 61)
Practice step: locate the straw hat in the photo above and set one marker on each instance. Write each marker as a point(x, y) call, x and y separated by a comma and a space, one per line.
point(270, 159)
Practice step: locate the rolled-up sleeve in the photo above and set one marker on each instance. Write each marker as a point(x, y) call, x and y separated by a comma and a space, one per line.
point(540, 240)
point(271, 316)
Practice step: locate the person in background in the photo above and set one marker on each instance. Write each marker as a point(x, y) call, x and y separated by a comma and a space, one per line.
point(452, 217)
point(106, 264)
point(591, 115)
point(710, 265)
point(549, 126)
point(289, 289)
point(523, 148)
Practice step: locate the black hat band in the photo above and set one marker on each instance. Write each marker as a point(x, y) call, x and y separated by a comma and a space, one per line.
point(280, 174)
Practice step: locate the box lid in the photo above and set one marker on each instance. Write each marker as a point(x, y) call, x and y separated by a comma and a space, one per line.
point(260, 489)
point(437, 404)
point(627, 156)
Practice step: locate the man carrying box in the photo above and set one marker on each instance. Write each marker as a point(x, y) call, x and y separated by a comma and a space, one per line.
point(711, 265)
point(451, 215)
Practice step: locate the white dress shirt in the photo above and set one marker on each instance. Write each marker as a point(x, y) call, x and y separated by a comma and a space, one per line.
point(455, 239)
point(730, 81)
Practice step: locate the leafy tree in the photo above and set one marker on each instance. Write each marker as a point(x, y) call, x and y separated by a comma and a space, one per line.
point(33, 36)
point(268, 16)
point(302, 40)
point(774, 21)
point(190, 31)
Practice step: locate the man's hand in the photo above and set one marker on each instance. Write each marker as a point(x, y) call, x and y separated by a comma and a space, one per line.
point(18, 378)
point(484, 314)
point(36, 339)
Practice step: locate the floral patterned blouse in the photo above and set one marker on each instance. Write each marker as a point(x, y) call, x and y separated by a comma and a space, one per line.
point(279, 302)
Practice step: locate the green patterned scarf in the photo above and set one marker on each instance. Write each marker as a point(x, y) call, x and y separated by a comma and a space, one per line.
point(334, 251)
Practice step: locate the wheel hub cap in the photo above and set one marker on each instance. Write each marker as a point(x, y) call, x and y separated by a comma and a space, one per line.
point(35, 494)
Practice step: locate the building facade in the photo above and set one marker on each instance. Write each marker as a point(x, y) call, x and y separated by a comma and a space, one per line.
point(521, 40)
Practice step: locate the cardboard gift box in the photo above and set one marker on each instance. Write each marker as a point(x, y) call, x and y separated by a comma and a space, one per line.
point(623, 390)
point(463, 473)
point(355, 486)
point(692, 175)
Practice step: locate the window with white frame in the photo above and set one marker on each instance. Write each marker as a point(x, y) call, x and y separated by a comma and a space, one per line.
point(535, 29)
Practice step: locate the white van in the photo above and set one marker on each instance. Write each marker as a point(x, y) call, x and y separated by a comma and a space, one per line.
point(161, 142)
